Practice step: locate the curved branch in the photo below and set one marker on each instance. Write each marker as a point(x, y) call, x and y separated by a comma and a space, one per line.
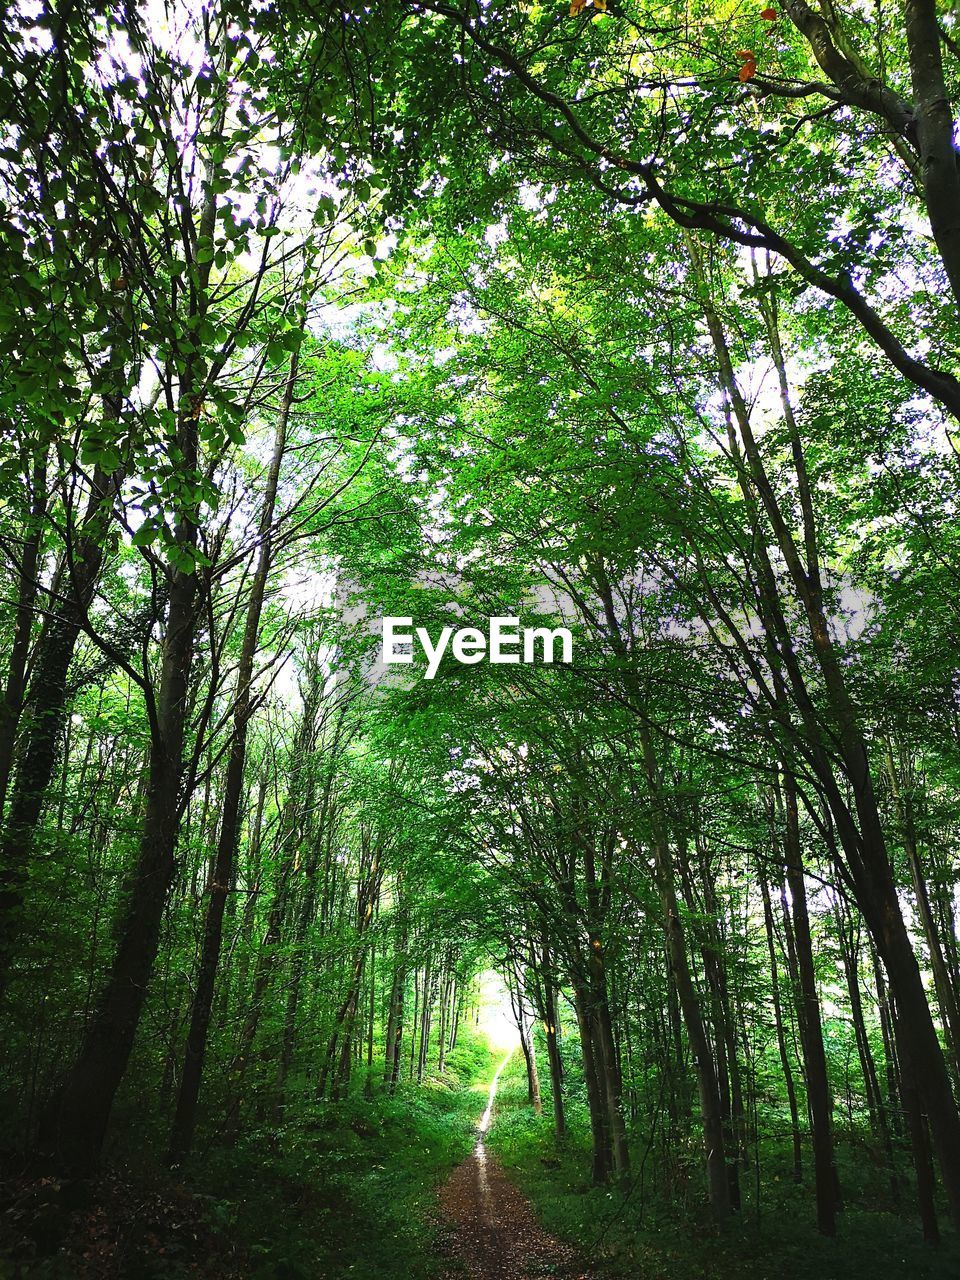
point(726, 221)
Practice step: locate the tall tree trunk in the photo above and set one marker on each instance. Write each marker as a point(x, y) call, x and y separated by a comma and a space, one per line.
point(533, 1075)
point(850, 955)
point(942, 981)
point(718, 1186)
point(522, 1018)
point(457, 1011)
point(394, 1033)
point(599, 1119)
point(426, 1016)
point(781, 1034)
point(445, 988)
point(888, 1035)
point(11, 701)
point(553, 1044)
point(818, 1085)
point(414, 1022)
point(76, 1119)
point(935, 133)
point(608, 1059)
point(368, 892)
point(919, 1138)
point(724, 1039)
point(224, 868)
point(45, 710)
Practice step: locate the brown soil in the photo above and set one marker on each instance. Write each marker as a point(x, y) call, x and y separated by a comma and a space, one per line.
point(491, 1233)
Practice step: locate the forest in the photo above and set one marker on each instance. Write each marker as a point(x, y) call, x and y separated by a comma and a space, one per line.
point(635, 319)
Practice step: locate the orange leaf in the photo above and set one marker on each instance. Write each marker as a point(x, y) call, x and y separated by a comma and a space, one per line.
point(748, 71)
point(768, 15)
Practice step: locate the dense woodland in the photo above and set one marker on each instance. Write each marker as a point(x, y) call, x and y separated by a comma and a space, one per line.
point(638, 319)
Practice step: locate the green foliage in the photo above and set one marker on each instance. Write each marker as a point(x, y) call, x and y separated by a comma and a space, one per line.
point(640, 1233)
point(347, 1189)
point(624, 317)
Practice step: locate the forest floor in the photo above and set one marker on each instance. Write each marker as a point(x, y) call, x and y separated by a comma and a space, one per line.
point(344, 1191)
point(489, 1229)
point(636, 1234)
point(412, 1187)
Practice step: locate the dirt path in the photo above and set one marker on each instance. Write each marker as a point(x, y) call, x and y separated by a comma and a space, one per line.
point(492, 1233)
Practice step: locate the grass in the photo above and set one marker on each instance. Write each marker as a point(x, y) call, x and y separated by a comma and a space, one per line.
point(342, 1190)
point(661, 1240)
point(348, 1189)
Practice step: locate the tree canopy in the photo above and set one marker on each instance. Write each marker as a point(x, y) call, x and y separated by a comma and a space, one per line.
point(638, 320)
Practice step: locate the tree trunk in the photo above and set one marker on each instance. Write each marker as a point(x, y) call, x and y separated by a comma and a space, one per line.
point(888, 1034)
point(445, 988)
point(553, 1045)
point(11, 703)
point(608, 1061)
point(781, 1035)
point(426, 1017)
point(76, 1119)
point(45, 710)
point(818, 1085)
point(942, 981)
point(599, 1124)
point(850, 955)
point(394, 1033)
point(935, 133)
point(919, 1138)
point(223, 871)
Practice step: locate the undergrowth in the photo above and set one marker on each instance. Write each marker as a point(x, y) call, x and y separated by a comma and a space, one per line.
point(631, 1233)
point(348, 1188)
point(345, 1189)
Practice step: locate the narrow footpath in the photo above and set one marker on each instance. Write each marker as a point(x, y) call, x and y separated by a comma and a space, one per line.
point(492, 1232)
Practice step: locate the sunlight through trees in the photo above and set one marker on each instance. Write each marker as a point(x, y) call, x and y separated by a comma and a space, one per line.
point(334, 340)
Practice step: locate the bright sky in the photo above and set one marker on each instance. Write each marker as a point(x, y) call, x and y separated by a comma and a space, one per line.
point(496, 1020)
